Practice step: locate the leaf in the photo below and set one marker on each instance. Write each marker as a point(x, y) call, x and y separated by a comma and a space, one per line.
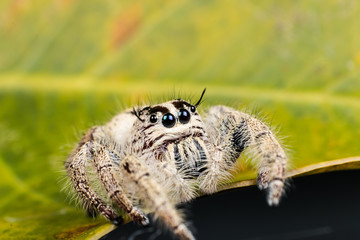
point(32, 214)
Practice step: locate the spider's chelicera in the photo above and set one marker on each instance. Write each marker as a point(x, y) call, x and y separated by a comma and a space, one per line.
point(157, 156)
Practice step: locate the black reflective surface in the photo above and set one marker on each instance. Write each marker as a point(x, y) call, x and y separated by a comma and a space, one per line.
point(324, 206)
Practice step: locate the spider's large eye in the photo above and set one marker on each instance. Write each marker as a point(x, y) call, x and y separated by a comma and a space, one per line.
point(192, 108)
point(153, 118)
point(168, 120)
point(184, 116)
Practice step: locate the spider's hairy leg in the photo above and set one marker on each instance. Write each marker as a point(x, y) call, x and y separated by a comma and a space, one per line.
point(108, 171)
point(270, 158)
point(239, 132)
point(153, 196)
point(76, 168)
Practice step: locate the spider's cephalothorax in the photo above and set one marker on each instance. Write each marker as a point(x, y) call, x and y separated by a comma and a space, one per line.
point(160, 155)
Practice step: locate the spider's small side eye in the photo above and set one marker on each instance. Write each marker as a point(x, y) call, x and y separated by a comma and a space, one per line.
point(168, 120)
point(153, 118)
point(192, 108)
point(184, 116)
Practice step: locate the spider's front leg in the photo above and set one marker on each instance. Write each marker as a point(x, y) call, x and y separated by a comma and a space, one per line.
point(90, 152)
point(76, 168)
point(154, 198)
point(109, 176)
point(237, 132)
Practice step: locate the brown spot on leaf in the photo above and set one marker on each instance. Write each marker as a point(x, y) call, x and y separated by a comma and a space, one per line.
point(13, 12)
point(73, 233)
point(126, 25)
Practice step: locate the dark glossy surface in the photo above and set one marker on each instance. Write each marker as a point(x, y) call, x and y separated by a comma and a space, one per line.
point(324, 206)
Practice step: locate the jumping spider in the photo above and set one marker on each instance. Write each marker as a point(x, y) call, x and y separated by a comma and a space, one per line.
point(158, 156)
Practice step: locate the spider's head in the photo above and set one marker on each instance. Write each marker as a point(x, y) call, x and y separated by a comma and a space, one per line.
point(172, 120)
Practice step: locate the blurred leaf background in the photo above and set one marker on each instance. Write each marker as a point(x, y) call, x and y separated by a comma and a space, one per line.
point(66, 65)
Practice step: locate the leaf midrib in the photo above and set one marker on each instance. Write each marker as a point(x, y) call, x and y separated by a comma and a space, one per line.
point(66, 84)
